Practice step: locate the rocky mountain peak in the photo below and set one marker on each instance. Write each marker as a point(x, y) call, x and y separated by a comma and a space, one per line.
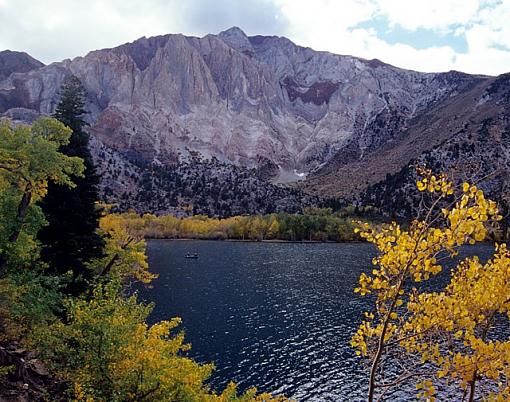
point(16, 62)
point(233, 32)
point(236, 38)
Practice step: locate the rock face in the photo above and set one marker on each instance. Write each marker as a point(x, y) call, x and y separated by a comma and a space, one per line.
point(28, 379)
point(459, 115)
point(243, 100)
point(233, 97)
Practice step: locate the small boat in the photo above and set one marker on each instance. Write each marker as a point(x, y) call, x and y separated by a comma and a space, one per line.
point(189, 255)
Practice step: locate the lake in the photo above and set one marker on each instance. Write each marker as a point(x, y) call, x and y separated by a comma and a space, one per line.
point(277, 316)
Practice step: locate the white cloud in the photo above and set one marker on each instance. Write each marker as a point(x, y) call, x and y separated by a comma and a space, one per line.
point(328, 25)
point(327, 14)
point(439, 58)
point(491, 61)
point(54, 29)
point(333, 25)
point(429, 14)
point(495, 21)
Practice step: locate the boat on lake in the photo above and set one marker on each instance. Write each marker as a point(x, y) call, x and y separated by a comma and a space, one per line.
point(191, 255)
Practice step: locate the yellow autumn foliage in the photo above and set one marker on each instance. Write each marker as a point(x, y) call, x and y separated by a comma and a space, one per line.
point(435, 336)
point(316, 224)
point(110, 353)
point(124, 251)
point(454, 330)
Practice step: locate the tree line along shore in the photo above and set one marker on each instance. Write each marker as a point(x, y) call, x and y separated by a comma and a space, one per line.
point(313, 225)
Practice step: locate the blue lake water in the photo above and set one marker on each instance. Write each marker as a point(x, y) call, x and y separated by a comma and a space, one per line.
point(277, 316)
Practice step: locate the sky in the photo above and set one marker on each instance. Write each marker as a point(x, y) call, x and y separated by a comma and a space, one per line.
point(424, 35)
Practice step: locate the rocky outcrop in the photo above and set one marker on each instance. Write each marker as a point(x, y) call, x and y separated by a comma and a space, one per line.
point(449, 121)
point(204, 187)
point(28, 379)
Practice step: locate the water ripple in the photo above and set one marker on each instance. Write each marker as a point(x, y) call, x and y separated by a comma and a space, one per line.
point(271, 315)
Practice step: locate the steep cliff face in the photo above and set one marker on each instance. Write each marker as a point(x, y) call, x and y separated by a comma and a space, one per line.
point(256, 102)
point(234, 97)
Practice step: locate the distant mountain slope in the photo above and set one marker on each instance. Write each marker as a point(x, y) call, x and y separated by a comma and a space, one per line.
point(259, 102)
point(198, 186)
point(464, 114)
point(479, 152)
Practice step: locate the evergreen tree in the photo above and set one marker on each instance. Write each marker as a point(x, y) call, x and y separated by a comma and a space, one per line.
point(70, 239)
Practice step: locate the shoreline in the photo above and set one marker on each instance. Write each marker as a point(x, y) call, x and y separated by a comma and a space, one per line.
point(256, 241)
point(285, 241)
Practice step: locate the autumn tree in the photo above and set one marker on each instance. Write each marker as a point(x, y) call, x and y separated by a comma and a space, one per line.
point(274, 228)
point(124, 253)
point(257, 229)
point(70, 240)
point(106, 350)
point(453, 331)
point(397, 332)
point(30, 160)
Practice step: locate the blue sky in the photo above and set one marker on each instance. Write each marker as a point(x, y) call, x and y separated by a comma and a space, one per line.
point(424, 35)
point(419, 38)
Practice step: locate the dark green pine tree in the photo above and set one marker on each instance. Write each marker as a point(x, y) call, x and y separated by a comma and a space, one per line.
point(70, 240)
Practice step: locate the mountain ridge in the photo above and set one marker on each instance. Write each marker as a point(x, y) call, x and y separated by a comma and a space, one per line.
point(16, 62)
point(258, 102)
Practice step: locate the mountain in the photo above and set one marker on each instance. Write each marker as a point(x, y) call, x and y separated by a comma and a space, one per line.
point(337, 124)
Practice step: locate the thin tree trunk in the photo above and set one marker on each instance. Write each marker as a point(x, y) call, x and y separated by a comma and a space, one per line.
point(106, 270)
point(108, 267)
point(21, 213)
point(380, 346)
point(472, 383)
point(472, 388)
point(377, 358)
point(20, 219)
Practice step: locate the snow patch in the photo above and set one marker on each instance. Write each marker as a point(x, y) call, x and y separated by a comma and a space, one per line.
point(300, 175)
